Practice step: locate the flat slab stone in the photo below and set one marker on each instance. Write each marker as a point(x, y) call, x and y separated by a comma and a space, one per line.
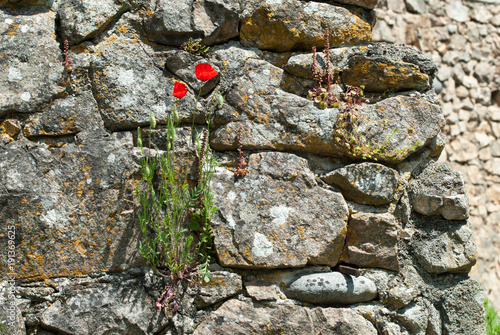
point(365, 183)
point(380, 74)
point(276, 216)
point(125, 308)
point(247, 317)
point(372, 241)
point(75, 202)
point(332, 288)
point(31, 71)
point(128, 87)
point(279, 25)
point(393, 129)
point(84, 19)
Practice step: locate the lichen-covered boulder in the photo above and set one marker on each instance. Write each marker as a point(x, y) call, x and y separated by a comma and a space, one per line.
point(128, 87)
point(366, 183)
point(439, 190)
point(281, 25)
point(377, 74)
point(174, 22)
point(222, 285)
point(379, 67)
point(71, 206)
point(442, 247)
point(383, 67)
point(84, 20)
point(392, 129)
point(246, 317)
point(31, 71)
point(372, 241)
point(276, 216)
point(125, 307)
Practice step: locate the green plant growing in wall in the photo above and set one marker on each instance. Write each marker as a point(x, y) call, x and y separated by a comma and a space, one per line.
point(3, 329)
point(195, 47)
point(347, 133)
point(325, 96)
point(175, 216)
point(491, 319)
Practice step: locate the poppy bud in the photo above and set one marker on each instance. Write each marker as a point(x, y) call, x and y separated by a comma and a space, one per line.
point(152, 119)
point(139, 139)
point(176, 115)
point(220, 100)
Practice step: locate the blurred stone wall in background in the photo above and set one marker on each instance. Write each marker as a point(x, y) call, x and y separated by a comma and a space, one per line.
point(463, 38)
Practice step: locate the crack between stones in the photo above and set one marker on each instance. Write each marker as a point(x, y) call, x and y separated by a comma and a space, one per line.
point(126, 7)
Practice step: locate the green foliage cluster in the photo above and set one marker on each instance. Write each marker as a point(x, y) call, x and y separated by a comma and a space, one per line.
point(491, 319)
point(194, 47)
point(175, 212)
point(346, 130)
point(346, 134)
point(325, 96)
point(3, 329)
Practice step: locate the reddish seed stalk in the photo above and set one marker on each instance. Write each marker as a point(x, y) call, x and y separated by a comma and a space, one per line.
point(68, 63)
point(241, 170)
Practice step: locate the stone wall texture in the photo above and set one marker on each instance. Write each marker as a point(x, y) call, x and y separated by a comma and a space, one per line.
point(350, 219)
point(463, 38)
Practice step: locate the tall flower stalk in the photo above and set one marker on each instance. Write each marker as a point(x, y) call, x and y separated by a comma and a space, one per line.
point(175, 215)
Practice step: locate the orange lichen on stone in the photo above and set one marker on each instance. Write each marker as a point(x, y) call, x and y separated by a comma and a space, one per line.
point(269, 31)
point(383, 76)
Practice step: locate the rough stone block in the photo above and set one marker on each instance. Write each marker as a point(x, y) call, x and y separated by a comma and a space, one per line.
point(277, 216)
point(246, 317)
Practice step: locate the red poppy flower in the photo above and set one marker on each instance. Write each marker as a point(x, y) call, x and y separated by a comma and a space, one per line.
point(180, 90)
point(204, 71)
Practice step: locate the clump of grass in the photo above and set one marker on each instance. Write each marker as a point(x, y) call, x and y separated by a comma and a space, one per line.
point(195, 47)
point(491, 319)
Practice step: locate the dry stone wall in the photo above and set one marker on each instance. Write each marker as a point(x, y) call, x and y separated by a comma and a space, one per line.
point(337, 228)
point(463, 38)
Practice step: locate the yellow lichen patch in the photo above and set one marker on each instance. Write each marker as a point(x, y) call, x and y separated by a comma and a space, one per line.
point(122, 28)
point(268, 31)
point(112, 39)
point(382, 76)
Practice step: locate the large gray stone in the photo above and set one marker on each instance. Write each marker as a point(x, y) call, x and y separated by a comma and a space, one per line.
point(173, 23)
point(441, 247)
point(10, 315)
point(63, 119)
point(121, 308)
point(128, 88)
point(276, 216)
point(381, 74)
point(285, 122)
point(71, 206)
point(372, 241)
point(222, 285)
point(332, 288)
point(217, 19)
point(439, 190)
point(246, 317)
point(463, 309)
point(84, 20)
point(366, 183)
point(31, 68)
point(279, 25)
